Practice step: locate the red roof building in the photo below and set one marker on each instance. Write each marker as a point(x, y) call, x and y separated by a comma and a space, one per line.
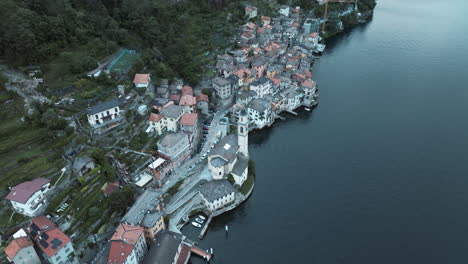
point(23, 191)
point(187, 90)
point(50, 239)
point(15, 248)
point(187, 100)
point(155, 117)
point(202, 97)
point(109, 188)
point(127, 241)
point(189, 119)
point(141, 78)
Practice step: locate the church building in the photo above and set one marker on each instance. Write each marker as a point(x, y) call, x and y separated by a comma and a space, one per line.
point(231, 154)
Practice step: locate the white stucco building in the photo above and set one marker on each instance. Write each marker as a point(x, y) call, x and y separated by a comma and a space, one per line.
point(262, 87)
point(217, 194)
point(175, 147)
point(284, 10)
point(222, 87)
point(104, 113)
point(260, 114)
point(29, 198)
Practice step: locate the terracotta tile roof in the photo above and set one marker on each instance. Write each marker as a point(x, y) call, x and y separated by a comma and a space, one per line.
point(202, 97)
point(184, 254)
point(119, 252)
point(23, 191)
point(109, 188)
point(141, 78)
point(127, 233)
point(54, 235)
point(250, 25)
point(307, 83)
point(188, 119)
point(188, 100)
point(275, 81)
point(313, 34)
point(16, 245)
point(43, 223)
point(155, 117)
point(123, 242)
point(265, 18)
point(187, 90)
point(175, 98)
point(53, 240)
point(295, 24)
point(308, 74)
point(260, 29)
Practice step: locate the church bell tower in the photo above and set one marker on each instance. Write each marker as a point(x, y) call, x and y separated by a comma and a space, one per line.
point(243, 133)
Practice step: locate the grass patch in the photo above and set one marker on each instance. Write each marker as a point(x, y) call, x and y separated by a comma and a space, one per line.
point(174, 189)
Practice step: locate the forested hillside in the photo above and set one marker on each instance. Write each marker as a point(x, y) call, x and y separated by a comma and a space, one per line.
point(170, 35)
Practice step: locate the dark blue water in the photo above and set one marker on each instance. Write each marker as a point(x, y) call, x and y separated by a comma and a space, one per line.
point(378, 172)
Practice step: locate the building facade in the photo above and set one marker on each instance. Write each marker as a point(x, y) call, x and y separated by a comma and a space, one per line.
point(29, 198)
point(103, 113)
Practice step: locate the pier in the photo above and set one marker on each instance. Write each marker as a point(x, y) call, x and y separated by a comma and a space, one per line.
point(200, 252)
point(205, 227)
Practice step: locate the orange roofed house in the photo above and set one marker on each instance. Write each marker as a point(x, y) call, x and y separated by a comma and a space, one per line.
point(142, 80)
point(21, 250)
point(128, 245)
point(53, 244)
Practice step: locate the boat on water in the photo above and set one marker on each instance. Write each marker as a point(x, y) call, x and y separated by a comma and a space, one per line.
point(198, 220)
point(307, 109)
point(195, 224)
point(201, 217)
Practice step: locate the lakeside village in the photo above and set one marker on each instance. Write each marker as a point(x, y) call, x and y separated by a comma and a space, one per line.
point(202, 165)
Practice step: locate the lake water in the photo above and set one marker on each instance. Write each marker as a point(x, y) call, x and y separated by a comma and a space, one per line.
point(378, 172)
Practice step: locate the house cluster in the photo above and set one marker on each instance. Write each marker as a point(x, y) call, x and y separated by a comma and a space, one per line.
point(175, 118)
point(269, 72)
point(40, 242)
point(141, 237)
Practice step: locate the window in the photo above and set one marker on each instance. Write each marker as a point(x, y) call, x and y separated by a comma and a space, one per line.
point(96, 117)
point(116, 109)
point(108, 113)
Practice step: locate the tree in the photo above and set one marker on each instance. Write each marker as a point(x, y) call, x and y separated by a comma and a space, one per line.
point(121, 199)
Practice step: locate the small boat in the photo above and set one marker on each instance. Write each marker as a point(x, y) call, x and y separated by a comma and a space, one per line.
point(200, 221)
point(307, 109)
point(202, 217)
point(195, 224)
point(227, 228)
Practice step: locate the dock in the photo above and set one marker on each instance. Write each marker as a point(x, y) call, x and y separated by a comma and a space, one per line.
point(205, 227)
point(291, 112)
point(200, 252)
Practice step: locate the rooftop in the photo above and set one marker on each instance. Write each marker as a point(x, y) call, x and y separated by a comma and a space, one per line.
point(215, 189)
point(189, 119)
point(188, 100)
point(155, 117)
point(49, 238)
point(172, 111)
point(102, 106)
point(16, 245)
point(220, 81)
point(259, 105)
point(171, 139)
point(241, 164)
point(146, 203)
point(141, 78)
point(164, 248)
point(23, 191)
point(127, 233)
point(226, 148)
